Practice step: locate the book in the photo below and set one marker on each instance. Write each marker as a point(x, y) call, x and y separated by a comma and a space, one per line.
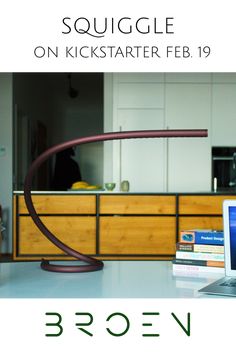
point(191, 255)
point(207, 263)
point(193, 270)
point(216, 249)
point(210, 237)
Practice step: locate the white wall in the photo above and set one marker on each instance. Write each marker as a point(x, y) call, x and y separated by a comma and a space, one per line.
point(6, 142)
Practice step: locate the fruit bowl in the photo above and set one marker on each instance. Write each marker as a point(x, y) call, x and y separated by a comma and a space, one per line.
point(110, 186)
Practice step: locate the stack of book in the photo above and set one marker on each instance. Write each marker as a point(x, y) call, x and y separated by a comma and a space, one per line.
point(199, 251)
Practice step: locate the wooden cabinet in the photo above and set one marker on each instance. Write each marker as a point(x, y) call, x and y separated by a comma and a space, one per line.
point(200, 222)
point(138, 204)
point(113, 226)
point(137, 225)
point(202, 204)
point(201, 211)
point(76, 232)
point(59, 204)
point(72, 218)
point(134, 235)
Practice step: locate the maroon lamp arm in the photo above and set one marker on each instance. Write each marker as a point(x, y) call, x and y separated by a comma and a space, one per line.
point(92, 264)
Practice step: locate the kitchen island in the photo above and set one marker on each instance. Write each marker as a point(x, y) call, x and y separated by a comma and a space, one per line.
point(113, 225)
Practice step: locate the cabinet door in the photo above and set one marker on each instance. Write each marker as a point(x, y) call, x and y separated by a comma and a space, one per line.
point(137, 235)
point(139, 105)
point(202, 204)
point(200, 222)
point(223, 114)
point(188, 106)
point(142, 161)
point(137, 204)
point(76, 232)
point(59, 204)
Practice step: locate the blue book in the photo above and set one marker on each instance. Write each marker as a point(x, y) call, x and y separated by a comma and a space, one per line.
point(210, 237)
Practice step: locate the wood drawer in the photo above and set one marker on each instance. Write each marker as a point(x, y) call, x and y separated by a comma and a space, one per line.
point(206, 204)
point(76, 232)
point(188, 223)
point(137, 235)
point(137, 204)
point(60, 204)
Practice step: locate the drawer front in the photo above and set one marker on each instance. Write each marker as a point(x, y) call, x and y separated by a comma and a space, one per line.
point(188, 223)
point(202, 204)
point(60, 204)
point(76, 232)
point(134, 204)
point(137, 235)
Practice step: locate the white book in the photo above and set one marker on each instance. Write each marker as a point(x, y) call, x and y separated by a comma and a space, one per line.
point(190, 255)
point(197, 269)
point(209, 248)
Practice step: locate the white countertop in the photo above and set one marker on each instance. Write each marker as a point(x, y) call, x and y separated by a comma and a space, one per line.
point(72, 192)
point(118, 279)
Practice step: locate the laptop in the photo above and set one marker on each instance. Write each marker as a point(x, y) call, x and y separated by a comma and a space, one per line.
point(227, 284)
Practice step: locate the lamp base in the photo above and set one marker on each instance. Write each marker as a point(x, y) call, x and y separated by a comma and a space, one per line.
point(98, 265)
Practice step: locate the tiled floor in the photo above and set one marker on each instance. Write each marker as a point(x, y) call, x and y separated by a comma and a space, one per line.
point(118, 279)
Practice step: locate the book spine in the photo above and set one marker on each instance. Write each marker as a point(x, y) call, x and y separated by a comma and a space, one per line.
point(202, 237)
point(179, 269)
point(217, 249)
point(199, 263)
point(190, 255)
point(208, 238)
point(184, 246)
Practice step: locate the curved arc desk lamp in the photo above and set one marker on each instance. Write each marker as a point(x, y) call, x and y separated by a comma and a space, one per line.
point(92, 264)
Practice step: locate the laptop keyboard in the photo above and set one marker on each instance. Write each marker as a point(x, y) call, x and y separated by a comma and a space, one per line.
point(229, 283)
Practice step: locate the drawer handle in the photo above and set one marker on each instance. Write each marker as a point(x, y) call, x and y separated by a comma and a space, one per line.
point(92, 264)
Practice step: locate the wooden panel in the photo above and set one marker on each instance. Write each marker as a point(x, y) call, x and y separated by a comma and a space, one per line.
point(77, 232)
point(137, 204)
point(137, 235)
point(198, 204)
point(70, 204)
point(187, 223)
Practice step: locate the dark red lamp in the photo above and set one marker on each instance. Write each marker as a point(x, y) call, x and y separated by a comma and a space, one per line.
point(92, 264)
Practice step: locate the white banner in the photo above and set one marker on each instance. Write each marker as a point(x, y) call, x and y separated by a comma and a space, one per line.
point(115, 325)
point(108, 36)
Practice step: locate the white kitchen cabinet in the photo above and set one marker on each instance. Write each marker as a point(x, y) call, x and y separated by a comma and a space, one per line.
point(142, 161)
point(174, 101)
point(188, 106)
point(224, 114)
point(139, 105)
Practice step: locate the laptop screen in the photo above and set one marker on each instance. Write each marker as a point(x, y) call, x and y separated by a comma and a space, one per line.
point(232, 232)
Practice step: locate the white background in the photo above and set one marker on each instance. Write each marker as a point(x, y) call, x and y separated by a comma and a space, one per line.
point(212, 324)
point(27, 24)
